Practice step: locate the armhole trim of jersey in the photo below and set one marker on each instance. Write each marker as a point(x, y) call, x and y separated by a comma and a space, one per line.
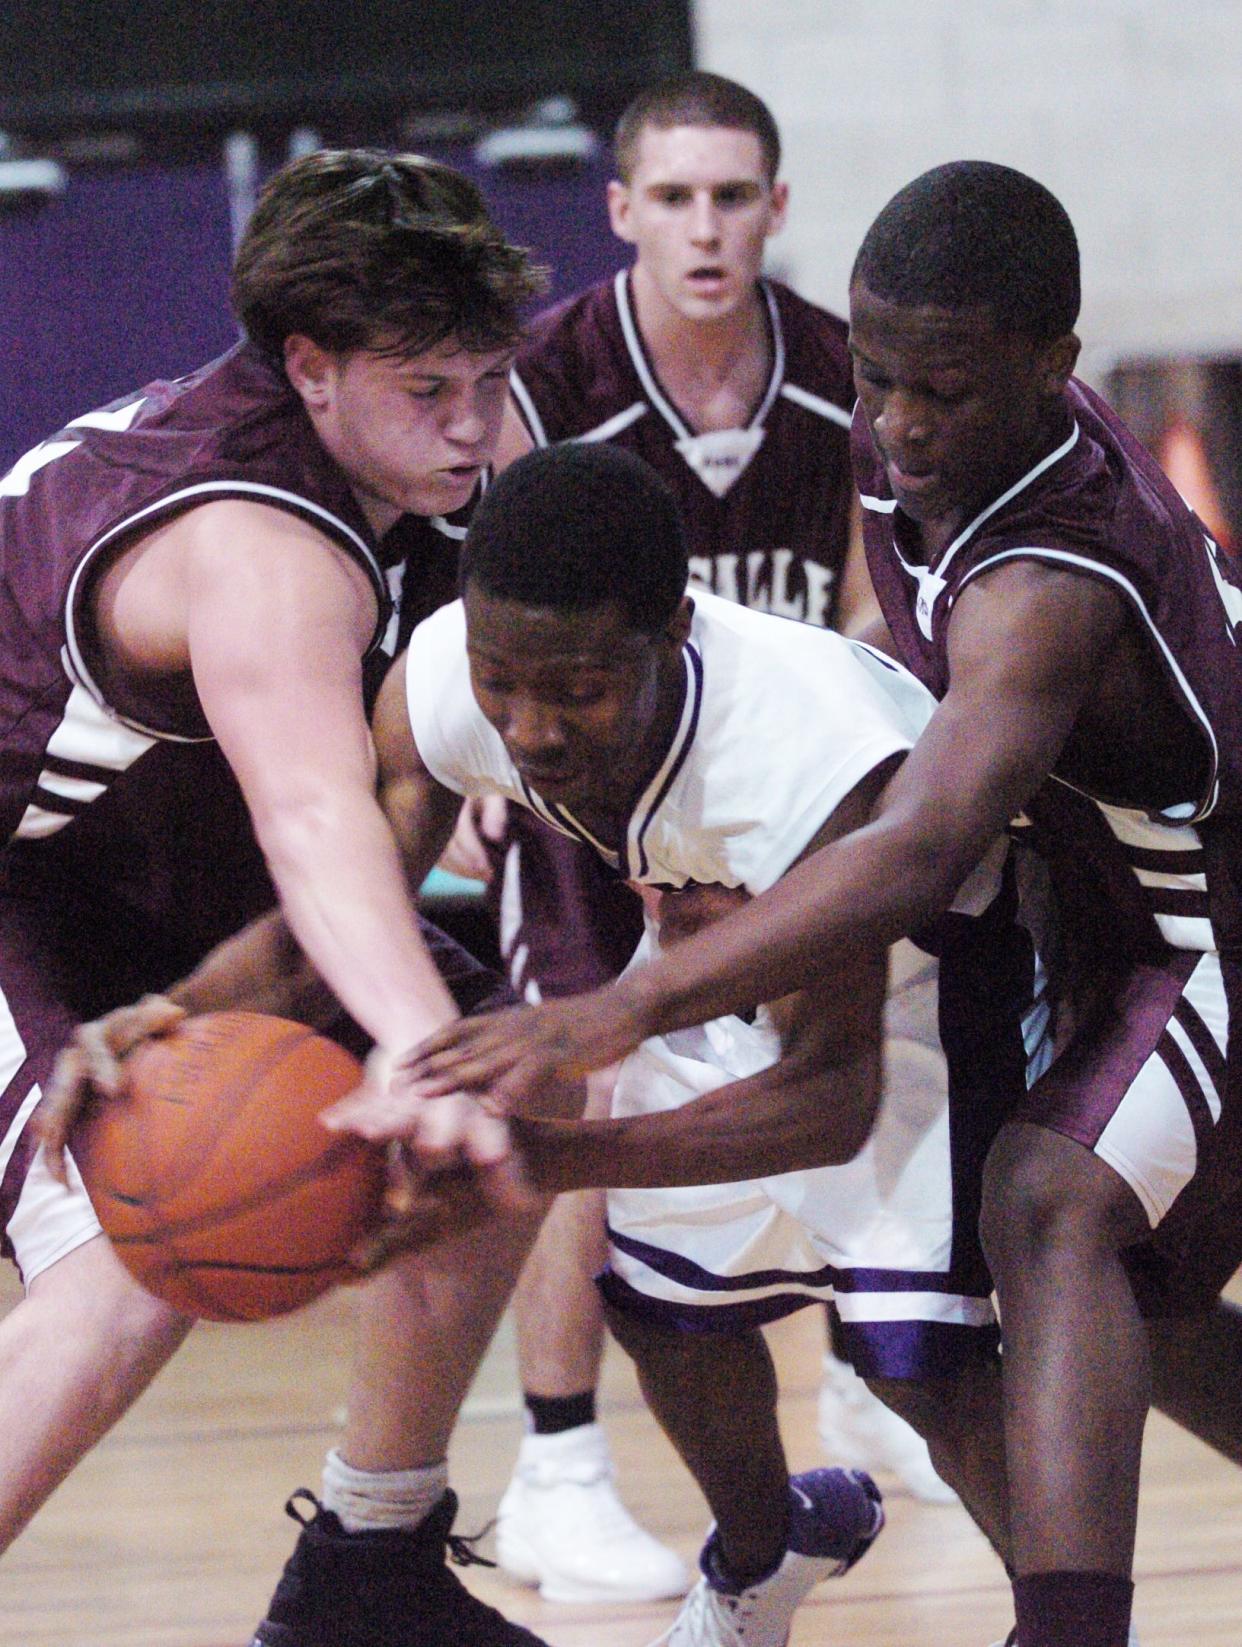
point(1110, 574)
point(74, 660)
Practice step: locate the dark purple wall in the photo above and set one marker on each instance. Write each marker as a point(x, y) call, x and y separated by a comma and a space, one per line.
point(124, 278)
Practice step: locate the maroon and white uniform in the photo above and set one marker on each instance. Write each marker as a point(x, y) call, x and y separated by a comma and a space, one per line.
point(767, 513)
point(1153, 1082)
point(127, 851)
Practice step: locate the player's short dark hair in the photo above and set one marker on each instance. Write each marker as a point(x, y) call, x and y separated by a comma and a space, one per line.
point(575, 526)
point(975, 235)
point(360, 249)
point(695, 99)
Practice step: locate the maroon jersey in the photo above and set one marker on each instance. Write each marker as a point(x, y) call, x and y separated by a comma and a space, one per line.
point(1151, 900)
point(768, 521)
point(233, 429)
point(126, 850)
point(1099, 504)
point(767, 515)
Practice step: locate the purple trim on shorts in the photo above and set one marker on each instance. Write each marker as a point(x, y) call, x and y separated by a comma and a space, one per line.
point(685, 1272)
point(676, 1267)
point(1187, 1084)
point(877, 1349)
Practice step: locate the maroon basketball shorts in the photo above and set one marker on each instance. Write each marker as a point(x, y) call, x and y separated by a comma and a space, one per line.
point(1149, 1088)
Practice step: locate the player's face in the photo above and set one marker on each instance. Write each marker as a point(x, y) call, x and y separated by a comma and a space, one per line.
point(412, 433)
point(580, 699)
point(958, 410)
point(698, 208)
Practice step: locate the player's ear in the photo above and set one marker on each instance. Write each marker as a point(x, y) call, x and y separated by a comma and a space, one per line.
point(311, 369)
point(679, 623)
point(778, 207)
point(619, 210)
point(1060, 358)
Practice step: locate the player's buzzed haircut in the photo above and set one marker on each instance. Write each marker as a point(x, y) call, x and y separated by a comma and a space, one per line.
point(975, 235)
point(575, 526)
point(695, 99)
point(360, 249)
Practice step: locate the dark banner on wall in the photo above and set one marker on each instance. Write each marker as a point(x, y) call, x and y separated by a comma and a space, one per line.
point(210, 64)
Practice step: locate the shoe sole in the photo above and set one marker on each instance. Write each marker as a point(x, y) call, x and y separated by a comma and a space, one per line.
point(515, 1557)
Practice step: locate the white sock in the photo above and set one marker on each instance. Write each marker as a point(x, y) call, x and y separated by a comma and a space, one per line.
point(369, 1501)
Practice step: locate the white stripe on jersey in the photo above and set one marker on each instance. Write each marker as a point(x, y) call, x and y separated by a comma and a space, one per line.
point(1136, 829)
point(88, 736)
point(292, 501)
point(651, 385)
point(528, 409)
point(1183, 812)
point(817, 404)
point(616, 425)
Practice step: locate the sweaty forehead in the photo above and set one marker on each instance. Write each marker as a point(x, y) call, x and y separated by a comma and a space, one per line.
point(878, 322)
point(522, 635)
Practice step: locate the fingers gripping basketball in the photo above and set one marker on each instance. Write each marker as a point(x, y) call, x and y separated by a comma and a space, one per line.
point(213, 1177)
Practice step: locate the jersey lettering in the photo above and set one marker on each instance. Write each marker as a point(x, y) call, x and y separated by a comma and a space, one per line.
point(768, 583)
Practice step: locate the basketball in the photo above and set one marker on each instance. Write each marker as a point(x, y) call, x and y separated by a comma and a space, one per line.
point(220, 1190)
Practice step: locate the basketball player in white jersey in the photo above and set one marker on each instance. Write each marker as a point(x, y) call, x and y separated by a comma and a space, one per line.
point(739, 393)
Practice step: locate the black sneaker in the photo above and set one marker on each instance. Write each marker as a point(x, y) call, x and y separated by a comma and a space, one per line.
point(383, 1589)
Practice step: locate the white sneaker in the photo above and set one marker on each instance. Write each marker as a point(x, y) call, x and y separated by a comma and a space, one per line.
point(562, 1527)
point(834, 1518)
point(858, 1430)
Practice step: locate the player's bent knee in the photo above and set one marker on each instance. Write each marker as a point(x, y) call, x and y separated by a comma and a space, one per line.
point(925, 1404)
point(1045, 1195)
point(640, 1337)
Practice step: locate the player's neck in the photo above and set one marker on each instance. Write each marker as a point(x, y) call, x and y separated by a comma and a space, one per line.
point(714, 371)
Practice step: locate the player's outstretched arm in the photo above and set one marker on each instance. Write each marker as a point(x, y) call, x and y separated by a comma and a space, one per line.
point(1026, 644)
point(276, 620)
point(815, 1107)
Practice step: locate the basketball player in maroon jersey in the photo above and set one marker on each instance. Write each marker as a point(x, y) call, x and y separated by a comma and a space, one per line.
point(739, 393)
point(1042, 577)
point(200, 585)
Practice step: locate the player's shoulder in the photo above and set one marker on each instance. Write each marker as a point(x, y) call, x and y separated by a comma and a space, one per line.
point(574, 326)
point(817, 357)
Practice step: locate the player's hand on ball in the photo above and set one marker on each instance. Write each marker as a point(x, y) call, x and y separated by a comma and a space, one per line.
point(91, 1066)
point(439, 1137)
point(521, 1054)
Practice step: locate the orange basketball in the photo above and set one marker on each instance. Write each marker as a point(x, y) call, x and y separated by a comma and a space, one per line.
point(213, 1177)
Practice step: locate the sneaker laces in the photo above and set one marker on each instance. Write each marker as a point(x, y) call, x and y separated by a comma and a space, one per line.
point(461, 1547)
point(708, 1618)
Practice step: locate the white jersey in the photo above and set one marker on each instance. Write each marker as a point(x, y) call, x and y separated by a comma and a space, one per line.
point(779, 723)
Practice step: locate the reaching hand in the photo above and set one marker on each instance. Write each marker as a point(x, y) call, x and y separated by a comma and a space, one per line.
point(450, 1162)
point(91, 1067)
point(521, 1055)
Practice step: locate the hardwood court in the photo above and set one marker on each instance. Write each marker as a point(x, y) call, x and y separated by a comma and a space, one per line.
point(171, 1534)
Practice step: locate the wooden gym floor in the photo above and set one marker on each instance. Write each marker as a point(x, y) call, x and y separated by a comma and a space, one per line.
point(171, 1534)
